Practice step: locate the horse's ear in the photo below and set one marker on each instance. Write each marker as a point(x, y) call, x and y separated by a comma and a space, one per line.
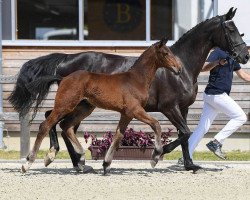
point(163, 42)
point(230, 14)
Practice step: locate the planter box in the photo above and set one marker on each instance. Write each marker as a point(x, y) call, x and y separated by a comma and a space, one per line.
point(126, 153)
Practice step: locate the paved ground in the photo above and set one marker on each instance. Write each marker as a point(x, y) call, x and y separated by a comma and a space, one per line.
point(127, 180)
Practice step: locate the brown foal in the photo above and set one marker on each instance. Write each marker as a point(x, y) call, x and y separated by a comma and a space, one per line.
point(126, 93)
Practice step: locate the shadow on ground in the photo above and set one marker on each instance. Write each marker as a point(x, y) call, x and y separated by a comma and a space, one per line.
point(113, 171)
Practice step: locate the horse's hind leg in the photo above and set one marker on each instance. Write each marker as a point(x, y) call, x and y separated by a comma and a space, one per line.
point(141, 115)
point(121, 128)
point(69, 126)
point(54, 144)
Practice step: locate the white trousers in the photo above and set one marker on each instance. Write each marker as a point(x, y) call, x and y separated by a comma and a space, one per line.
point(214, 104)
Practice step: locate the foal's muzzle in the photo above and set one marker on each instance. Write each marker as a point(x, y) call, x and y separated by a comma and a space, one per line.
point(176, 71)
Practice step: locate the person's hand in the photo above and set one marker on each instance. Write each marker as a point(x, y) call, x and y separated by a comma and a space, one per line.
point(222, 62)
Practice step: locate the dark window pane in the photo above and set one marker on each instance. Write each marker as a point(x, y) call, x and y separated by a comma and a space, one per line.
point(114, 20)
point(161, 19)
point(6, 20)
point(47, 19)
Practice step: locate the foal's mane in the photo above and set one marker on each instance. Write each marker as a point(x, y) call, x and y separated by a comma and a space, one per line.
point(147, 51)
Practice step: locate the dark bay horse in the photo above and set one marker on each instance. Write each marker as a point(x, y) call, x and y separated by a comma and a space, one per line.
point(125, 92)
point(192, 49)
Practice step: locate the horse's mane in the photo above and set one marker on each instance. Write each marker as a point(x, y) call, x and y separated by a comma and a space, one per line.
point(195, 28)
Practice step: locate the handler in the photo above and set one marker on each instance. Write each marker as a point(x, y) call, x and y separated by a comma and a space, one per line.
point(216, 99)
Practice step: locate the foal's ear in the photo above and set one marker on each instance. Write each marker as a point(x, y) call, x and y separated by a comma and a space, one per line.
point(230, 14)
point(163, 42)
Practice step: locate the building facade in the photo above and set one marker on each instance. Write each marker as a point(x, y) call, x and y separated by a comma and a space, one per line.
point(33, 28)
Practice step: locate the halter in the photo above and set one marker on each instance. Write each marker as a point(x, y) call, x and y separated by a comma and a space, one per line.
point(229, 40)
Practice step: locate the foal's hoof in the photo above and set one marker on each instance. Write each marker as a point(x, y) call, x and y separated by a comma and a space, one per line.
point(155, 157)
point(81, 165)
point(106, 167)
point(153, 163)
point(25, 168)
point(50, 157)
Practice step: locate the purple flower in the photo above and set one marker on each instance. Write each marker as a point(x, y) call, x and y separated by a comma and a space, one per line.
point(131, 138)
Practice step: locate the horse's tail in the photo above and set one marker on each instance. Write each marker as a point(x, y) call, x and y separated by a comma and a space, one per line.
point(25, 92)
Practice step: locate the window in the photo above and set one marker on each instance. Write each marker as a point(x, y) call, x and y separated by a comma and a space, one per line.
point(161, 19)
point(99, 22)
point(6, 20)
point(47, 19)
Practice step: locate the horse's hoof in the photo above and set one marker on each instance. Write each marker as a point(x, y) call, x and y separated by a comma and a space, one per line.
point(106, 167)
point(193, 167)
point(153, 163)
point(50, 157)
point(199, 171)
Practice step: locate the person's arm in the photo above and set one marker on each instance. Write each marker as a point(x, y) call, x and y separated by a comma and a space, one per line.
point(243, 75)
point(210, 65)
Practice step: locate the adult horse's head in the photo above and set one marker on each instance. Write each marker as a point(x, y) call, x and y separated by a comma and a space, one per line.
point(165, 57)
point(229, 39)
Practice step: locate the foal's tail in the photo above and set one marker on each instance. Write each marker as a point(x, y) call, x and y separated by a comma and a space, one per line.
point(34, 81)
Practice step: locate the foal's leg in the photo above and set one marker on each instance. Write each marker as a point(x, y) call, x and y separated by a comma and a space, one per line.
point(62, 107)
point(44, 129)
point(69, 125)
point(121, 128)
point(83, 110)
point(141, 115)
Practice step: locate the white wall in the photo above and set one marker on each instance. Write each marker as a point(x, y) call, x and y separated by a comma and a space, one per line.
point(242, 16)
point(189, 13)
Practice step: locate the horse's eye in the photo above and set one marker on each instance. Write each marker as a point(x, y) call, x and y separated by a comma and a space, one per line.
point(231, 29)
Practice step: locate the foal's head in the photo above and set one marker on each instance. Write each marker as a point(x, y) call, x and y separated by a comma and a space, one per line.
point(165, 58)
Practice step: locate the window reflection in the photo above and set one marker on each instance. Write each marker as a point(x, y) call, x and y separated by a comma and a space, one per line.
point(114, 19)
point(161, 19)
point(47, 19)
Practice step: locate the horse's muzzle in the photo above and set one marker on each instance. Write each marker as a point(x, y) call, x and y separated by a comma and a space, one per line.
point(242, 60)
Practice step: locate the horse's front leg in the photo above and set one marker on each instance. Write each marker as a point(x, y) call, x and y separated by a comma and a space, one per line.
point(121, 128)
point(176, 118)
point(54, 144)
